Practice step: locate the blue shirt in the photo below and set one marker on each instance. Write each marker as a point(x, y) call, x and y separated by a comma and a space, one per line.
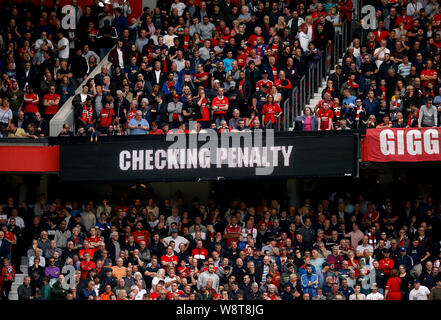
point(349, 101)
point(371, 107)
point(227, 63)
point(135, 123)
point(305, 279)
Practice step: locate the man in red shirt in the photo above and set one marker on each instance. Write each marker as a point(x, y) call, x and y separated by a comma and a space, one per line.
point(50, 102)
point(428, 75)
point(380, 33)
point(174, 292)
point(199, 253)
point(86, 115)
point(266, 81)
point(220, 106)
point(404, 18)
point(232, 232)
point(325, 116)
point(93, 239)
point(86, 265)
point(386, 264)
point(140, 234)
point(241, 58)
point(371, 215)
point(157, 292)
point(107, 115)
point(201, 76)
point(169, 257)
point(86, 249)
point(31, 100)
point(318, 12)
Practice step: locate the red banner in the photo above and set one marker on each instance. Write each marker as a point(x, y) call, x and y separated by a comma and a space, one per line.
point(30, 159)
point(402, 145)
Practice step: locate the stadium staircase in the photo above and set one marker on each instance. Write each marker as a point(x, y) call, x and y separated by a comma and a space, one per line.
point(19, 277)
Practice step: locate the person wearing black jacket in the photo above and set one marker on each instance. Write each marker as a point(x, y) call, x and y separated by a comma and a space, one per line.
point(156, 247)
point(121, 106)
point(79, 67)
point(156, 76)
point(244, 88)
point(106, 38)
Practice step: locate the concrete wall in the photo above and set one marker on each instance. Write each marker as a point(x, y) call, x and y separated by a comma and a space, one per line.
point(66, 113)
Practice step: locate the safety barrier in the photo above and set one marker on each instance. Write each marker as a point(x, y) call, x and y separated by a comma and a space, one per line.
point(66, 114)
point(309, 84)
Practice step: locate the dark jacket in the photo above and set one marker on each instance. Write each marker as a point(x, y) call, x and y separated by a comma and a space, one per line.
point(78, 66)
point(24, 293)
point(4, 250)
point(113, 57)
point(151, 77)
point(301, 126)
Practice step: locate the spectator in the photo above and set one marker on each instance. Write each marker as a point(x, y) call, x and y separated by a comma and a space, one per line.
point(138, 125)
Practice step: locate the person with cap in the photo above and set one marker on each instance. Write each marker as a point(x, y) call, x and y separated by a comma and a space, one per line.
point(419, 255)
point(174, 110)
point(404, 259)
point(419, 292)
point(265, 81)
point(374, 295)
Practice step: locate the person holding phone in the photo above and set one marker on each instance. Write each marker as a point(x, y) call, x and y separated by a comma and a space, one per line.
point(138, 125)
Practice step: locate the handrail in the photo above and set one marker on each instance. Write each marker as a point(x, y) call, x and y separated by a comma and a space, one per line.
point(66, 114)
point(302, 94)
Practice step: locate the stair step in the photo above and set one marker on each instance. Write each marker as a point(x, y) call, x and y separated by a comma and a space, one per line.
point(13, 296)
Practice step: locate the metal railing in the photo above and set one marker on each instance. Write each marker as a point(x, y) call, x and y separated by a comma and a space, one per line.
point(66, 114)
point(309, 84)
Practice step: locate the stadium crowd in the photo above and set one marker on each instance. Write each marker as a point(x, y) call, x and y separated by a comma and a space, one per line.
point(140, 248)
point(228, 65)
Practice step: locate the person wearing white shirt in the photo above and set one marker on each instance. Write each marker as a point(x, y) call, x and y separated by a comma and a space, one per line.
point(19, 222)
point(419, 292)
point(169, 37)
point(177, 239)
point(380, 52)
point(374, 295)
point(125, 7)
point(180, 6)
point(62, 46)
point(43, 39)
point(304, 38)
point(37, 254)
point(413, 8)
point(140, 294)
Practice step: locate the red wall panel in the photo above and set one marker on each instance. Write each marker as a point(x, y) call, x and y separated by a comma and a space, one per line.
point(29, 159)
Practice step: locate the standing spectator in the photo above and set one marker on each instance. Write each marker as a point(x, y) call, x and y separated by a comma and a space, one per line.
point(428, 115)
point(7, 278)
point(393, 286)
point(51, 102)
